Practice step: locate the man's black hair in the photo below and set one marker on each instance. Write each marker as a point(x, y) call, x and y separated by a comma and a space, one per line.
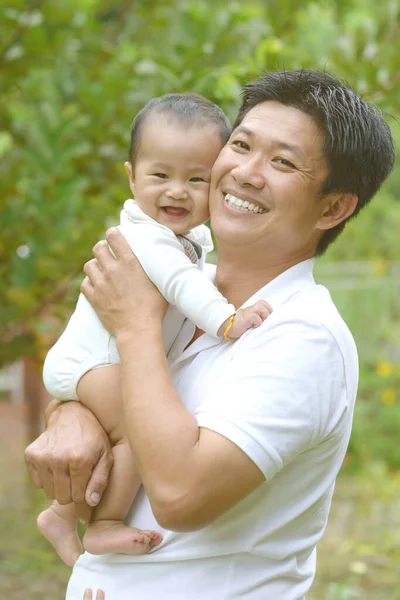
point(358, 145)
point(189, 110)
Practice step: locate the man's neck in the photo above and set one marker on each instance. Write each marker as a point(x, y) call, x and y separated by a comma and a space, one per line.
point(238, 280)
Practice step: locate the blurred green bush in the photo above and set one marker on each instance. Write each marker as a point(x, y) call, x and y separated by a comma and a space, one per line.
point(367, 295)
point(377, 416)
point(72, 77)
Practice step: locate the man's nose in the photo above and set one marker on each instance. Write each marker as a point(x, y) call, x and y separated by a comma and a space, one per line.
point(176, 190)
point(250, 173)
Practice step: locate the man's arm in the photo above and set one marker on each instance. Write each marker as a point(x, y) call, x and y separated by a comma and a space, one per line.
point(194, 474)
point(186, 485)
point(191, 475)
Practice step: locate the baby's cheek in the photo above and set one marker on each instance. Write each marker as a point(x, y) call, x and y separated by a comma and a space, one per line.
point(206, 200)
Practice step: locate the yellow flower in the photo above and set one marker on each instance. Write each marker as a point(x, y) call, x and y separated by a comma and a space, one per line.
point(385, 369)
point(380, 267)
point(389, 396)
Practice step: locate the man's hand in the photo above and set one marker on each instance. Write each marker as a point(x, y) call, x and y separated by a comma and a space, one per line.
point(88, 595)
point(72, 459)
point(119, 290)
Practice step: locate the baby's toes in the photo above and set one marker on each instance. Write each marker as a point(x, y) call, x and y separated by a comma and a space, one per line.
point(142, 538)
point(155, 537)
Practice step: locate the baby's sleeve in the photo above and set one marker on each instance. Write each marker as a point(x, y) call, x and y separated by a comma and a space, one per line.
point(180, 281)
point(84, 345)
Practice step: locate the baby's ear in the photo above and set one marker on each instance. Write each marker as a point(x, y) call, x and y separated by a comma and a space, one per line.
point(131, 178)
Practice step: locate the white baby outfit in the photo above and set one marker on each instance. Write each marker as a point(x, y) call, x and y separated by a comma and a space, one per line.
point(174, 264)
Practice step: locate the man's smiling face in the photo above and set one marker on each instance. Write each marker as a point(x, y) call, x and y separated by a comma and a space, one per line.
point(266, 182)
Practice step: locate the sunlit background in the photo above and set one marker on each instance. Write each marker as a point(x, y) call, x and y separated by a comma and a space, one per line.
point(72, 76)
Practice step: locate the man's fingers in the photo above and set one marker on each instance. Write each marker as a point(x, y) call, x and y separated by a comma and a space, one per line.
point(62, 488)
point(31, 455)
point(46, 476)
point(79, 476)
point(118, 244)
point(34, 474)
point(88, 595)
point(99, 479)
point(92, 269)
point(102, 254)
point(87, 289)
point(83, 512)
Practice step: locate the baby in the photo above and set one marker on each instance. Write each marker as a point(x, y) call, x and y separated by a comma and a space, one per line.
point(175, 140)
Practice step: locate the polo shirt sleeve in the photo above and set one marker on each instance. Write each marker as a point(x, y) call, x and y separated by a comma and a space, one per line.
point(280, 394)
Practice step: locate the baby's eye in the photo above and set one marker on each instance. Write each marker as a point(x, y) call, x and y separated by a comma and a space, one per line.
point(161, 175)
point(197, 179)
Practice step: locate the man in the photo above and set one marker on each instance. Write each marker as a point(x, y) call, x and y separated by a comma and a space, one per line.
point(238, 445)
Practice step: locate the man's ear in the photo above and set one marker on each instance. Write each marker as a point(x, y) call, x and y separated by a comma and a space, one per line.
point(338, 207)
point(131, 178)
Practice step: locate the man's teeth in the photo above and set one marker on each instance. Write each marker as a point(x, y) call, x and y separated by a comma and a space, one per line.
point(243, 204)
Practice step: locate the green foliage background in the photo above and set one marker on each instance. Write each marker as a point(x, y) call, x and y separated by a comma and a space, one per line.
point(72, 77)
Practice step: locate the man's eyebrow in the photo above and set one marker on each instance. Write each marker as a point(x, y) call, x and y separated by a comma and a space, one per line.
point(243, 129)
point(290, 147)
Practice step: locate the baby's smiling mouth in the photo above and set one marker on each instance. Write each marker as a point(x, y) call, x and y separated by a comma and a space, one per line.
point(175, 211)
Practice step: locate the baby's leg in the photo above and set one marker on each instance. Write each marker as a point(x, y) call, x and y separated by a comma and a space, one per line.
point(107, 532)
point(58, 525)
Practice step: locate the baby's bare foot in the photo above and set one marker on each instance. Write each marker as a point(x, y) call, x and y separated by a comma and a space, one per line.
point(113, 537)
point(58, 525)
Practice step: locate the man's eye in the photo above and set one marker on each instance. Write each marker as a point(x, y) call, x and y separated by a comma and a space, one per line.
point(161, 175)
point(197, 179)
point(284, 162)
point(240, 144)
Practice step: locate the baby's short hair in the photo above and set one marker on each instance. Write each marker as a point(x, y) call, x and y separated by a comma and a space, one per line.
point(189, 110)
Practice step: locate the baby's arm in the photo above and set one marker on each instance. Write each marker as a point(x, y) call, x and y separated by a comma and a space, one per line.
point(183, 284)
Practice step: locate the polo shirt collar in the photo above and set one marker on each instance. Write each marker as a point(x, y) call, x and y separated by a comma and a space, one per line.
point(286, 285)
point(276, 292)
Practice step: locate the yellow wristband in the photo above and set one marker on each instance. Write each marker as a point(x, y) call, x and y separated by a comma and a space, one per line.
point(228, 327)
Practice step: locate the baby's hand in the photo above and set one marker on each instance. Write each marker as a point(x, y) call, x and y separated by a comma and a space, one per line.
point(251, 316)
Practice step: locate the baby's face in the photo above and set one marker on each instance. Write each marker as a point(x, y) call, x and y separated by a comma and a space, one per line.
point(171, 176)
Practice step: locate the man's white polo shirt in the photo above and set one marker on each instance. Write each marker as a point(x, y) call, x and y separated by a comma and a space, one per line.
point(284, 393)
